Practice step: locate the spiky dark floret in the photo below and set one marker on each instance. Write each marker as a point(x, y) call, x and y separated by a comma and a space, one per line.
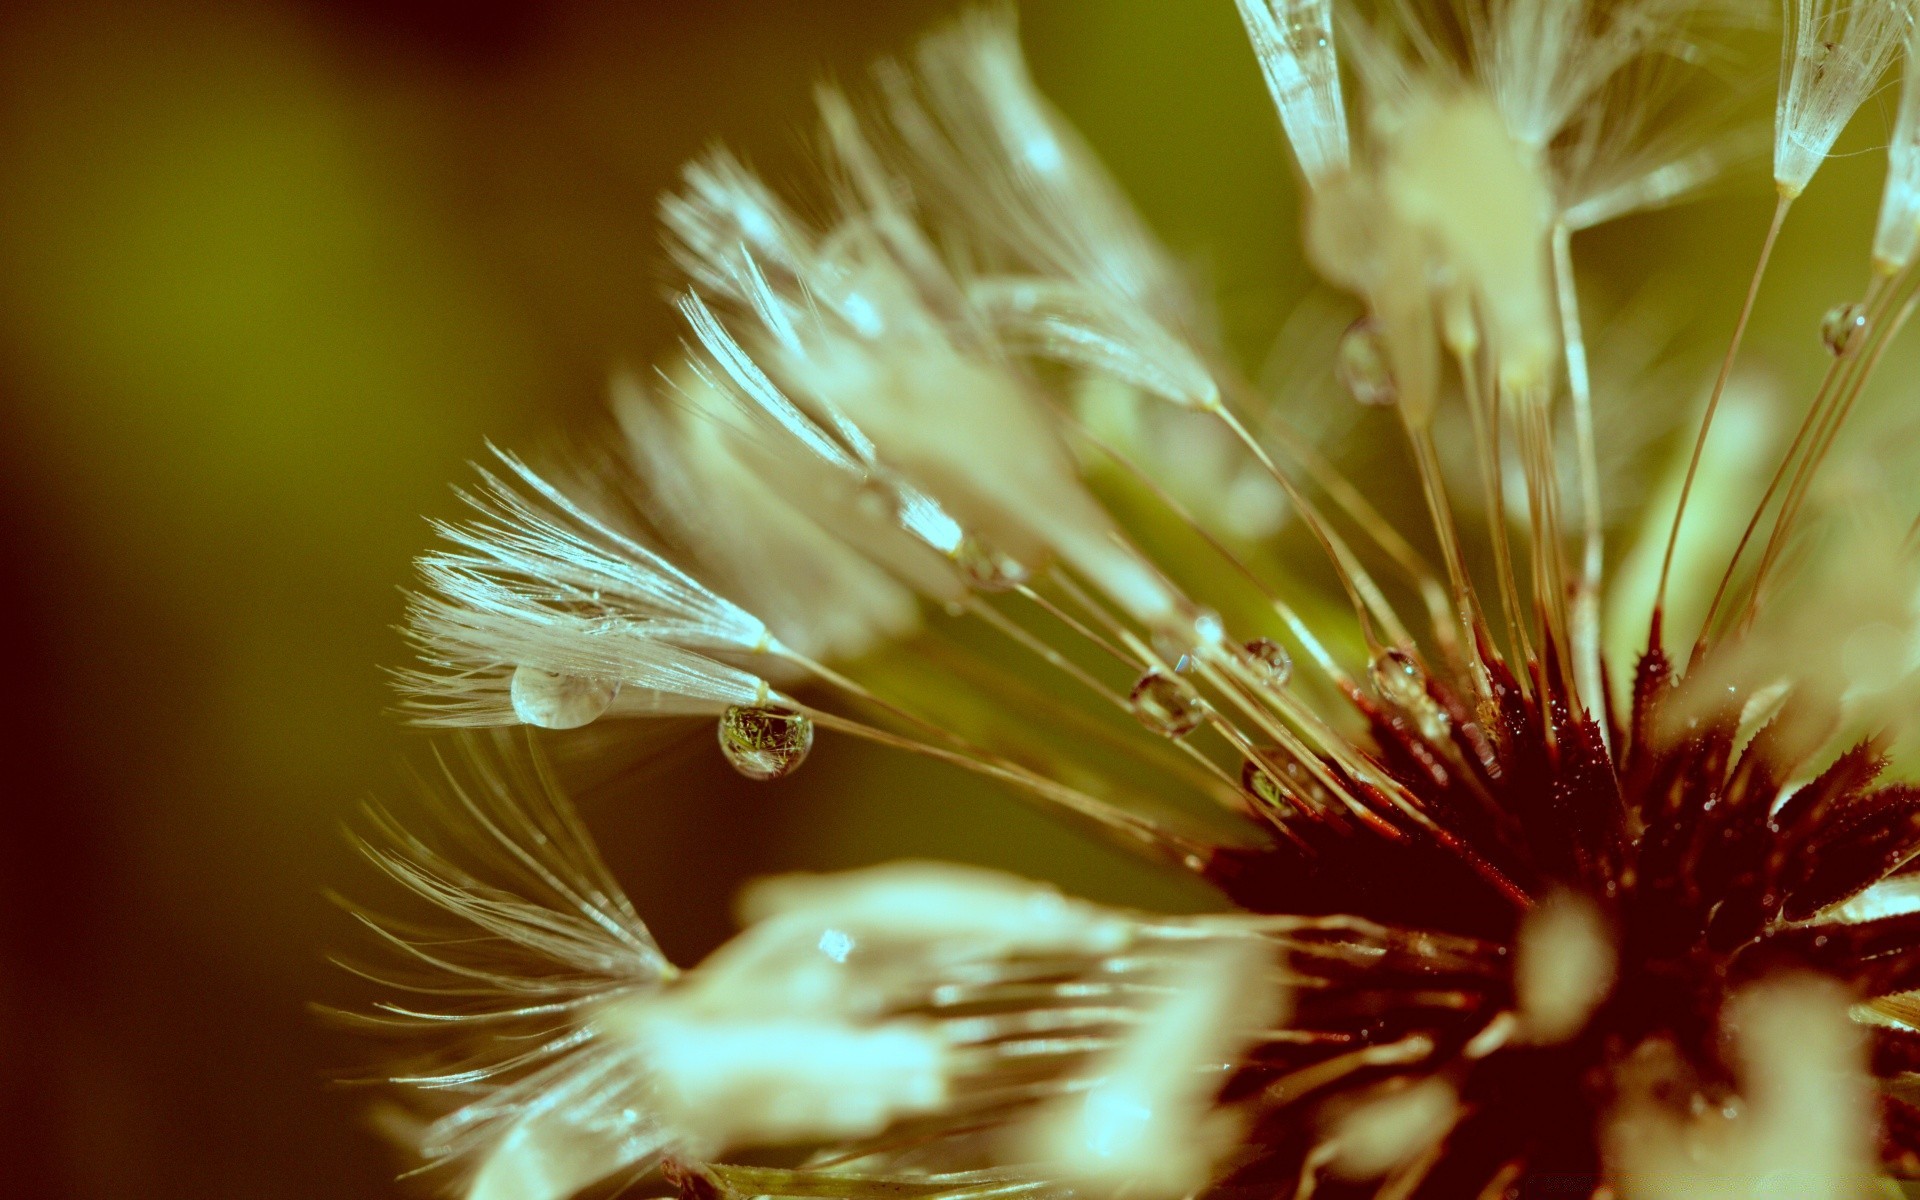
point(1678, 835)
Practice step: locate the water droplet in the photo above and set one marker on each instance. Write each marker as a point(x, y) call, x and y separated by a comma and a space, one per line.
point(1261, 784)
point(1166, 705)
point(1179, 640)
point(765, 741)
point(555, 701)
point(1844, 328)
point(1398, 678)
point(1360, 364)
point(1400, 682)
point(1270, 661)
point(1433, 722)
point(836, 944)
point(985, 568)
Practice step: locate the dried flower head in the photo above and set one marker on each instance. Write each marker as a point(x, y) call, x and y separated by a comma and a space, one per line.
point(1506, 912)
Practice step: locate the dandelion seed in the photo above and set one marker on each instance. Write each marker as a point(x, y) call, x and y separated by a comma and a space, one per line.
point(1835, 54)
point(1898, 232)
point(1294, 42)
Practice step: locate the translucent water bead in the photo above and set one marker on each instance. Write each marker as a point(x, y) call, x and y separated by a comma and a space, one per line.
point(551, 700)
point(1844, 328)
point(1179, 641)
point(1258, 780)
point(1360, 364)
point(1398, 678)
point(1270, 661)
point(1166, 705)
point(1400, 682)
point(985, 568)
point(1278, 782)
point(765, 741)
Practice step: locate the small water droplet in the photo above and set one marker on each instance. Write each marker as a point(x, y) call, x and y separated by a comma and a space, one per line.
point(765, 741)
point(836, 944)
point(1270, 661)
point(1360, 364)
point(985, 568)
point(1166, 705)
point(1433, 722)
point(1179, 640)
point(555, 701)
point(1844, 328)
point(1257, 779)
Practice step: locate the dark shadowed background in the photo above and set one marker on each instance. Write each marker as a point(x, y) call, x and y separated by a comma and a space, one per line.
point(270, 274)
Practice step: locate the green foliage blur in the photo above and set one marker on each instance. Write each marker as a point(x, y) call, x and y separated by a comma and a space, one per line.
point(271, 273)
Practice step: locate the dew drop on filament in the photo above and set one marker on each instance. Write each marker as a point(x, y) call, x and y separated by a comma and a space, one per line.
point(985, 568)
point(1398, 678)
point(1360, 364)
point(1400, 682)
point(1844, 328)
point(765, 741)
point(552, 700)
point(1166, 705)
point(1270, 661)
point(1260, 783)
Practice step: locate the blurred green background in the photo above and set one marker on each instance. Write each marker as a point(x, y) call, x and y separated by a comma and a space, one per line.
point(269, 275)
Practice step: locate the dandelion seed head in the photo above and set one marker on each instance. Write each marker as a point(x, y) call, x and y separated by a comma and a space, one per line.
point(1514, 883)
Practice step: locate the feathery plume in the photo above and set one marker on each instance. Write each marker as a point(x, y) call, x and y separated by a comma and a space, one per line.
point(1293, 40)
point(544, 614)
point(1896, 236)
point(1835, 54)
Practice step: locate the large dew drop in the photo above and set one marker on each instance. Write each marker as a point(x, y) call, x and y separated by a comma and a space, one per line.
point(555, 701)
point(1398, 678)
point(1400, 682)
point(1270, 661)
point(1360, 364)
point(1844, 328)
point(1166, 705)
point(765, 741)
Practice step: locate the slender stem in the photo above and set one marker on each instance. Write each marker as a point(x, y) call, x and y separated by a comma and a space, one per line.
point(1816, 411)
point(1427, 461)
point(1816, 455)
point(1071, 622)
point(1543, 506)
point(1486, 428)
point(1041, 648)
point(1028, 708)
point(1362, 512)
point(1362, 591)
point(1719, 386)
point(1585, 631)
point(1128, 826)
point(1302, 633)
point(861, 692)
